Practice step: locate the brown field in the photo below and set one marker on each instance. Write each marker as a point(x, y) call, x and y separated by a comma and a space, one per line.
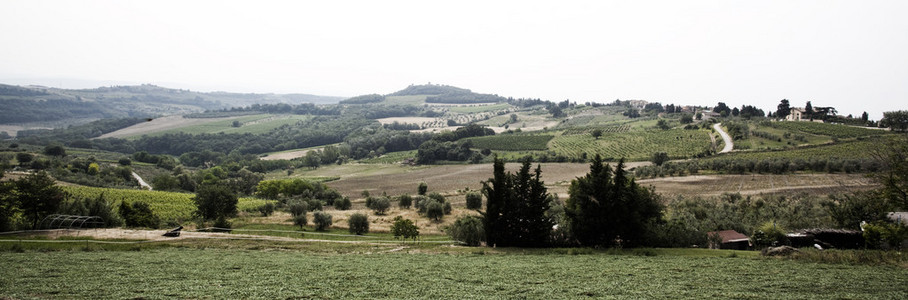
point(713, 185)
point(160, 124)
point(454, 180)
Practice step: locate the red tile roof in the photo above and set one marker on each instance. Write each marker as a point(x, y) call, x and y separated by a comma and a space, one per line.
point(729, 235)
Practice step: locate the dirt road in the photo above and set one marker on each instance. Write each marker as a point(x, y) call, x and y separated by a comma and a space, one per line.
point(729, 145)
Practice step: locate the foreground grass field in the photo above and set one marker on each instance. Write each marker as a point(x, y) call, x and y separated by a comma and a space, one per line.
point(231, 273)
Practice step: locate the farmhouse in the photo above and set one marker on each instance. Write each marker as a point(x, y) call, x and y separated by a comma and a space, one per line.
point(797, 114)
point(730, 240)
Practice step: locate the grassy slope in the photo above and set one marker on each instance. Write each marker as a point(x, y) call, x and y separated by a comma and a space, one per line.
point(224, 273)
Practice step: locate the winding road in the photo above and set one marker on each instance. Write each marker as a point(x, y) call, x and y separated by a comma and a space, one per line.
point(725, 137)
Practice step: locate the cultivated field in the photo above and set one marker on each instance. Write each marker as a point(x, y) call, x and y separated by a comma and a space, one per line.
point(364, 272)
point(254, 124)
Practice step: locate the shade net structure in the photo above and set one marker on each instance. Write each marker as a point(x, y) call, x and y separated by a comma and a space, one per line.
point(56, 221)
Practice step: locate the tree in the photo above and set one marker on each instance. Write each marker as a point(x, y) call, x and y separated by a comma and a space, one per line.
point(864, 117)
point(783, 109)
point(606, 208)
point(659, 158)
point(808, 110)
point(662, 124)
point(24, 158)
point(467, 230)
point(215, 202)
point(596, 133)
point(474, 200)
point(422, 189)
point(37, 196)
point(896, 120)
point(138, 214)
point(380, 205)
point(404, 201)
point(322, 220)
point(55, 150)
point(516, 206)
point(435, 210)
point(687, 119)
point(893, 174)
point(358, 224)
point(404, 228)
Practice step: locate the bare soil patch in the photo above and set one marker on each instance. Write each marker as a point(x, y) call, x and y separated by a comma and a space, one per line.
point(407, 120)
point(754, 184)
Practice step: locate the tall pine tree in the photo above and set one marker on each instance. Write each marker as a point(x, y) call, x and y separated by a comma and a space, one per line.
point(606, 207)
point(516, 206)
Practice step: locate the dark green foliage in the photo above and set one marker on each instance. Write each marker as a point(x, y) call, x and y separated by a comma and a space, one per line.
point(297, 207)
point(274, 189)
point(687, 119)
point(358, 224)
point(342, 203)
point(769, 234)
point(435, 210)
point(37, 195)
point(380, 205)
point(266, 209)
point(125, 161)
point(516, 206)
point(138, 214)
point(215, 201)
point(884, 235)
point(54, 150)
point(849, 210)
point(467, 230)
point(893, 156)
point(98, 207)
point(606, 208)
point(314, 204)
point(371, 98)
point(474, 200)
point(422, 189)
point(165, 182)
point(783, 109)
point(404, 228)
point(662, 124)
point(300, 220)
point(24, 158)
point(432, 151)
point(404, 201)
point(659, 158)
point(596, 133)
point(322, 220)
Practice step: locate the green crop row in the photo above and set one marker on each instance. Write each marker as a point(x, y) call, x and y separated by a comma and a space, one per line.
point(634, 146)
point(171, 207)
point(831, 130)
point(512, 142)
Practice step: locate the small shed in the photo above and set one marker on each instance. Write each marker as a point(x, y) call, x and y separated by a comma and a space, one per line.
point(730, 239)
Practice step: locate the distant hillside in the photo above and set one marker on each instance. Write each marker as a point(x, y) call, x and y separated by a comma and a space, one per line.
point(51, 107)
point(435, 93)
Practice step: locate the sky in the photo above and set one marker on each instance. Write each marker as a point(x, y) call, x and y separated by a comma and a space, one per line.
point(852, 55)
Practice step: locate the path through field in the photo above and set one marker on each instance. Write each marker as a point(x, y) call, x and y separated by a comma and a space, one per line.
point(725, 137)
point(142, 183)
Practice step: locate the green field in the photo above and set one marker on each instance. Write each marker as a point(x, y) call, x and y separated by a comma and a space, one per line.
point(857, 149)
point(232, 274)
point(831, 130)
point(254, 124)
point(512, 142)
point(169, 206)
point(634, 145)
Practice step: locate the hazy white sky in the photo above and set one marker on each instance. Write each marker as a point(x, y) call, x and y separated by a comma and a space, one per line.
point(849, 54)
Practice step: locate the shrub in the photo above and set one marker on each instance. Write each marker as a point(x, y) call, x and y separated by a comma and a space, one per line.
point(342, 203)
point(138, 214)
point(300, 220)
point(404, 201)
point(380, 205)
point(468, 230)
point(884, 235)
point(769, 234)
point(322, 220)
point(446, 207)
point(298, 207)
point(422, 189)
point(315, 204)
point(404, 228)
point(125, 161)
point(221, 222)
point(474, 200)
point(437, 197)
point(267, 209)
point(435, 210)
point(358, 224)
